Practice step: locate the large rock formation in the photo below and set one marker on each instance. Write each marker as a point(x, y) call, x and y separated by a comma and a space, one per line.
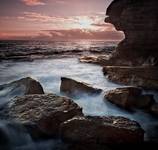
point(146, 77)
point(101, 130)
point(44, 111)
point(138, 19)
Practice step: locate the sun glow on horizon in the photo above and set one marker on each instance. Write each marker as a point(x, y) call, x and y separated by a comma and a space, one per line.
point(85, 23)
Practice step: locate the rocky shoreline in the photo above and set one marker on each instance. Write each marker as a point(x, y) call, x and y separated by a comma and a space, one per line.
point(49, 115)
point(133, 63)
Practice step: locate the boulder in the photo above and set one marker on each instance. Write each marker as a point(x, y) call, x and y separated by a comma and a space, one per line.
point(46, 111)
point(129, 97)
point(20, 87)
point(146, 77)
point(72, 87)
point(101, 130)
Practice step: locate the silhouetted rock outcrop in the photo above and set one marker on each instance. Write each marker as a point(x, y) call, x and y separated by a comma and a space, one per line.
point(138, 19)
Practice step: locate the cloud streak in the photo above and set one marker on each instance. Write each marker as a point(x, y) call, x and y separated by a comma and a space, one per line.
point(33, 2)
point(93, 22)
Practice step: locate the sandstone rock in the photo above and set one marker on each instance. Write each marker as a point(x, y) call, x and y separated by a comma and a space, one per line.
point(27, 85)
point(138, 20)
point(88, 59)
point(18, 88)
point(74, 88)
point(101, 130)
point(101, 59)
point(154, 109)
point(146, 77)
point(129, 97)
point(46, 111)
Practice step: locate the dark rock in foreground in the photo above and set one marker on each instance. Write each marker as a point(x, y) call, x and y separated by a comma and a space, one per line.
point(129, 97)
point(47, 111)
point(101, 130)
point(72, 87)
point(146, 77)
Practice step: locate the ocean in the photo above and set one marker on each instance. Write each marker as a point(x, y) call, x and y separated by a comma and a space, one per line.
point(10, 45)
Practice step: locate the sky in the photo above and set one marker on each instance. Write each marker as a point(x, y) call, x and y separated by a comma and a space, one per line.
point(55, 20)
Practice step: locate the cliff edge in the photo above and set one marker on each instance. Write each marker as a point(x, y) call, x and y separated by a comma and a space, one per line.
point(138, 19)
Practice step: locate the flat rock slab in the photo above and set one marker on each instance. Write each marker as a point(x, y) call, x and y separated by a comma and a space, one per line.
point(47, 111)
point(129, 97)
point(146, 77)
point(101, 59)
point(72, 88)
point(101, 130)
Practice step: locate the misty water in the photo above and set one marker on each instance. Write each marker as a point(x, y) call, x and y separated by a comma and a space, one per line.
point(49, 72)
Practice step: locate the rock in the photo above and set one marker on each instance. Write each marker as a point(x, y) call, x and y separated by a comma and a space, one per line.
point(129, 97)
point(27, 85)
point(88, 59)
point(146, 77)
point(101, 130)
point(138, 20)
point(154, 109)
point(72, 88)
point(144, 101)
point(20, 87)
point(100, 60)
point(139, 48)
point(45, 111)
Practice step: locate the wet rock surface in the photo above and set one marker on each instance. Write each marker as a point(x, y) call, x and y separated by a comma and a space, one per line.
point(100, 60)
point(130, 97)
point(46, 111)
point(101, 130)
point(146, 77)
point(73, 88)
point(20, 87)
point(27, 85)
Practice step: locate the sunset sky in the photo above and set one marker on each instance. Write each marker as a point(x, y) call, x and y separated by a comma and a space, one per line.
point(55, 20)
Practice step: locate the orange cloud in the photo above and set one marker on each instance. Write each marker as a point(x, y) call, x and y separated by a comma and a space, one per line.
point(33, 2)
